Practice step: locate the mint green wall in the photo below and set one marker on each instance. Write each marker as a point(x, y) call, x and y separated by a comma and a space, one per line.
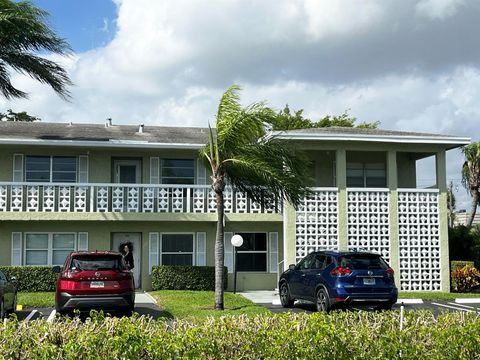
point(100, 238)
point(406, 170)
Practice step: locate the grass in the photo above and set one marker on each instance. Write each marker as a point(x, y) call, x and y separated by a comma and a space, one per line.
point(36, 299)
point(199, 305)
point(425, 295)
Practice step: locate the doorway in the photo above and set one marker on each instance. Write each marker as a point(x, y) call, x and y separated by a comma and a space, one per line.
point(127, 171)
point(136, 240)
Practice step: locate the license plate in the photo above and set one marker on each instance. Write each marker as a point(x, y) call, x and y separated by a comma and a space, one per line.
point(97, 284)
point(368, 281)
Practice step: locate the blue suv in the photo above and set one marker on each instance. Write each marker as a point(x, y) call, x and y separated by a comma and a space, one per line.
point(337, 279)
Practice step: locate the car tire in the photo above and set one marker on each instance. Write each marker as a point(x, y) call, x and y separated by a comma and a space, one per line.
point(2, 309)
point(14, 304)
point(322, 301)
point(285, 296)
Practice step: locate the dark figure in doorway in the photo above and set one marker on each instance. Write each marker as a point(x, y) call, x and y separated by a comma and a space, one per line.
point(126, 250)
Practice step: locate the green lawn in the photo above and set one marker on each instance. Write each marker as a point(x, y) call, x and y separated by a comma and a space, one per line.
point(425, 295)
point(199, 305)
point(36, 299)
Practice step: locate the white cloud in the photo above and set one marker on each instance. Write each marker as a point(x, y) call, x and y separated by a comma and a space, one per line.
point(438, 9)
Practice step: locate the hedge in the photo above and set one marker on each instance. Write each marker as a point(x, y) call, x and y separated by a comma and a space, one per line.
point(176, 277)
point(32, 278)
point(341, 335)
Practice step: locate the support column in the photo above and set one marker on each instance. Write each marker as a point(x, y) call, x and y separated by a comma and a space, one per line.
point(341, 177)
point(392, 183)
point(441, 170)
point(289, 235)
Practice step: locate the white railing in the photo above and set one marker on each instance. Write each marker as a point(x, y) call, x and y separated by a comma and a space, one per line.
point(133, 198)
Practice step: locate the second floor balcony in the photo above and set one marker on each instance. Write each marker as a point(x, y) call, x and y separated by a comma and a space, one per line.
point(121, 198)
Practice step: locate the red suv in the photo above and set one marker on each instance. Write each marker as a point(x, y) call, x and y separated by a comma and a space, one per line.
point(94, 280)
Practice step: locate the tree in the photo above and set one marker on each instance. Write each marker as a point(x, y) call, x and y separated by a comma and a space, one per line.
point(471, 176)
point(20, 116)
point(249, 159)
point(451, 204)
point(24, 33)
point(286, 120)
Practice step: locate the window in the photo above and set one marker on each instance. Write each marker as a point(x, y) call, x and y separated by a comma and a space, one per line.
point(51, 169)
point(48, 248)
point(366, 175)
point(252, 255)
point(177, 249)
point(178, 171)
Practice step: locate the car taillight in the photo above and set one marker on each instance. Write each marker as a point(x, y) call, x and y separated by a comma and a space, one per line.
point(340, 271)
point(390, 271)
point(68, 285)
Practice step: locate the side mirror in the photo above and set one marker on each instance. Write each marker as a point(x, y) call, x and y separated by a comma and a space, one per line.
point(56, 269)
point(291, 267)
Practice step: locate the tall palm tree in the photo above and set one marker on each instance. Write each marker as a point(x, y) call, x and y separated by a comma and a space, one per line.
point(245, 156)
point(24, 33)
point(471, 176)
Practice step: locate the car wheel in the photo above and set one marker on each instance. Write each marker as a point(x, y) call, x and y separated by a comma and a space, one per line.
point(285, 297)
point(2, 310)
point(14, 305)
point(323, 302)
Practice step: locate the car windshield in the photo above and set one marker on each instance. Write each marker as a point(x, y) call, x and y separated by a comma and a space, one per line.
point(362, 261)
point(95, 262)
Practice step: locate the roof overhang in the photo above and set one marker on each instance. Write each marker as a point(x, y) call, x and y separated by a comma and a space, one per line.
point(97, 144)
point(450, 141)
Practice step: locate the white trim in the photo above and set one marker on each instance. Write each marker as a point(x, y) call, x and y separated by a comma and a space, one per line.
point(18, 165)
point(82, 175)
point(228, 251)
point(82, 236)
point(17, 242)
point(153, 255)
point(272, 265)
point(154, 176)
point(109, 143)
point(201, 242)
point(410, 139)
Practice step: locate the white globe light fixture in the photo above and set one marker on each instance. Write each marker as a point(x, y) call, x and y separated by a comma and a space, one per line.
point(237, 241)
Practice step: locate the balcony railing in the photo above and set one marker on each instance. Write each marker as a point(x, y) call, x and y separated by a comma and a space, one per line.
point(131, 198)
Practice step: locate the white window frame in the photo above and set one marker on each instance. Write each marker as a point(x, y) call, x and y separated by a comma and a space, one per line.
point(51, 167)
point(50, 245)
point(266, 252)
point(161, 176)
point(194, 245)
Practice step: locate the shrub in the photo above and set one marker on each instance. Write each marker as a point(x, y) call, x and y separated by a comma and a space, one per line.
point(32, 278)
point(176, 277)
point(454, 264)
point(342, 335)
point(466, 278)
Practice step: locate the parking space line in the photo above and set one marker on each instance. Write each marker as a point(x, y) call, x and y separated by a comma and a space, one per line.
point(51, 316)
point(452, 307)
point(31, 315)
point(463, 306)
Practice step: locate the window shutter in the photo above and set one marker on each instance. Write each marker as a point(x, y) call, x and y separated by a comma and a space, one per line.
point(201, 173)
point(201, 249)
point(154, 170)
point(16, 249)
point(273, 251)
point(228, 248)
point(153, 250)
point(17, 167)
point(82, 241)
point(83, 169)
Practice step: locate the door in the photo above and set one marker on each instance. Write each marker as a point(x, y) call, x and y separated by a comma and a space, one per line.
point(127, 171)
point(136, 240)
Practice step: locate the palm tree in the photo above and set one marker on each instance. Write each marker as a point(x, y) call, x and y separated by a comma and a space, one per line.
point(471, 176)
point(24, 33)
point(245, 156)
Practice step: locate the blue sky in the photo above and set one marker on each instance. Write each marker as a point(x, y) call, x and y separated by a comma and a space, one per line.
point(413, 65)
point(86, 24)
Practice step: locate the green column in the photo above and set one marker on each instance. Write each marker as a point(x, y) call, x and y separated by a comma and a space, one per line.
point(392, 183)
point(289, 235)
point(341, 178)
point(441, 169)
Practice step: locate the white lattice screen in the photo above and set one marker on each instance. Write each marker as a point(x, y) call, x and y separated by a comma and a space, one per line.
point(419, 240)
point(368, 221)
point(317, 223)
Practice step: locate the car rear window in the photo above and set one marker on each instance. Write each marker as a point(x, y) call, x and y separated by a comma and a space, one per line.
point(366, 261)
point(96, 262)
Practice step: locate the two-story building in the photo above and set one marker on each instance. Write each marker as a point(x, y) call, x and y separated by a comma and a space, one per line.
point(67, 187)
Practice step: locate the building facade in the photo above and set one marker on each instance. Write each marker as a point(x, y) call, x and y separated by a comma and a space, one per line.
point(67, 187)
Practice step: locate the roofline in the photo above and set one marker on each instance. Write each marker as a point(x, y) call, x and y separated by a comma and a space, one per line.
point(411, 139)
point(109, 143)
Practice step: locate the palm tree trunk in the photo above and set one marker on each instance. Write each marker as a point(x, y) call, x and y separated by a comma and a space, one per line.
point(474, 208)
point(219, 252)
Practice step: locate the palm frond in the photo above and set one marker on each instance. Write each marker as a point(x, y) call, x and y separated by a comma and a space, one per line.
point(471, 168)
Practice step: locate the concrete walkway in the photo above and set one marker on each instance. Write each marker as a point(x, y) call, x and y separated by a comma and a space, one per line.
point(144, 298)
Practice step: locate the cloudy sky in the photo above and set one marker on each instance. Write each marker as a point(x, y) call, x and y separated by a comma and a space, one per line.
point(411, 64)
